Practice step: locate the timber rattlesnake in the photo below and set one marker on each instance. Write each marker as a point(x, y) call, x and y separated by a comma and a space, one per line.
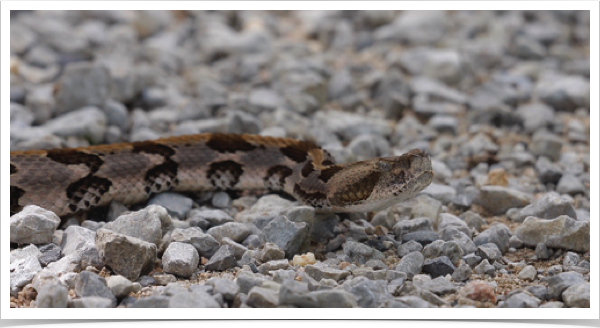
point(67, 181)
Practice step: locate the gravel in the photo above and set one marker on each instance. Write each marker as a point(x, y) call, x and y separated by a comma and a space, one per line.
point(505, 115)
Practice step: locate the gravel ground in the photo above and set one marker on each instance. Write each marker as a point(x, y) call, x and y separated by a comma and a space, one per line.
point(501, 101)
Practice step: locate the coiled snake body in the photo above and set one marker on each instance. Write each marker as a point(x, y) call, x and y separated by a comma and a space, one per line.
point(68, 181)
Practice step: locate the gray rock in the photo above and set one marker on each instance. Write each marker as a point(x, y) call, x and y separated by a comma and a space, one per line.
point(361, 253)
point(90, 284)
point(449, 220)
point(528, 273)
point(322, 272)
point(439, 285)
point(192, 300)
point(287, 235)
point(569, 184)
point(577, 296)
point(439, 266)
point(548, 172)
point(443, 193)
point(180, 259)
point(368, 146)
point(246, 280)
point(69, 263)
point(349, 125)
point(82, 84)
point(52, 296)
point(77, 240)
point(444, 124)
point(295, 293)
point(33, 225)
point(560, 282)
point(411, 264)
point(485, 268)
point(264, 99)
point(489, 251)
point(145, 225)
point(570, 259)
point(415, 28)
point(407, 226)
point(226, 287)
point(497, 200)
point(127, 256)
point(87, 123)
point(120, 286)
point(213, 217)
point(176, 204)
point(411, 246)
point(549, 206)
point(473, 220)
point(262, 297)
point(22, 272)
point(542, 252)
point(564, 92)
point(48, 254)
point(221, 200)
point(515, 242)
point(116, 114)
point(548, 145)
point(539, 291)
point(205, 244)
point(521, 300)
point(234, 230)
point(562, 232)
point(340, 84)
point(498, 234)
point(552, 305)
point(174, 288)
point(92, 302)
point(424, 206)
point(422, 237)
point(267, 267)
point(164, 279)
point(222, 260)
point(238, 249)
point(270, 252)
point(451, 249)
point(462, 273)
point(155, 301)
point(369, 293)
point(25, 252)
point(453, 234)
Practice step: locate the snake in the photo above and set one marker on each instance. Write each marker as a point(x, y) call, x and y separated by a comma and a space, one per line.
point(68, 181)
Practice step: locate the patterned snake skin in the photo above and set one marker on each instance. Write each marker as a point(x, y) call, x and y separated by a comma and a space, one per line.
point(68, 181)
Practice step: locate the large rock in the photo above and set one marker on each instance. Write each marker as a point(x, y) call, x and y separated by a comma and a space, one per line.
point(549, 206)
point(498, 234)
point(562, 232)
point(33, 225)
point(234, 230)
point(145, 225)
point(287, 235)
point(82, 84)
point(180, 259)
point(127, 256)
point(223, 259)
point(204, 243)
point(497, 200)
point(361, 253)
point(90, 284)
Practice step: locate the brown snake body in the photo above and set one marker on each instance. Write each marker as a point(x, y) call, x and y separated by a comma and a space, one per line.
point(68, 181)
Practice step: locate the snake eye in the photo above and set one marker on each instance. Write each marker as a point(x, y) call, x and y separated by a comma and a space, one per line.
point(385, 166)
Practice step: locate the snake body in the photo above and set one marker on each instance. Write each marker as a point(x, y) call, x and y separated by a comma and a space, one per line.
point(72, 180)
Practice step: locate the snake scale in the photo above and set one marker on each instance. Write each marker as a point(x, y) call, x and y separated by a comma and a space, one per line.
point(73, 180)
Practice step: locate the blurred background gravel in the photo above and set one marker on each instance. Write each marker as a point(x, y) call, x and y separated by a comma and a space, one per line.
point(501, 100)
